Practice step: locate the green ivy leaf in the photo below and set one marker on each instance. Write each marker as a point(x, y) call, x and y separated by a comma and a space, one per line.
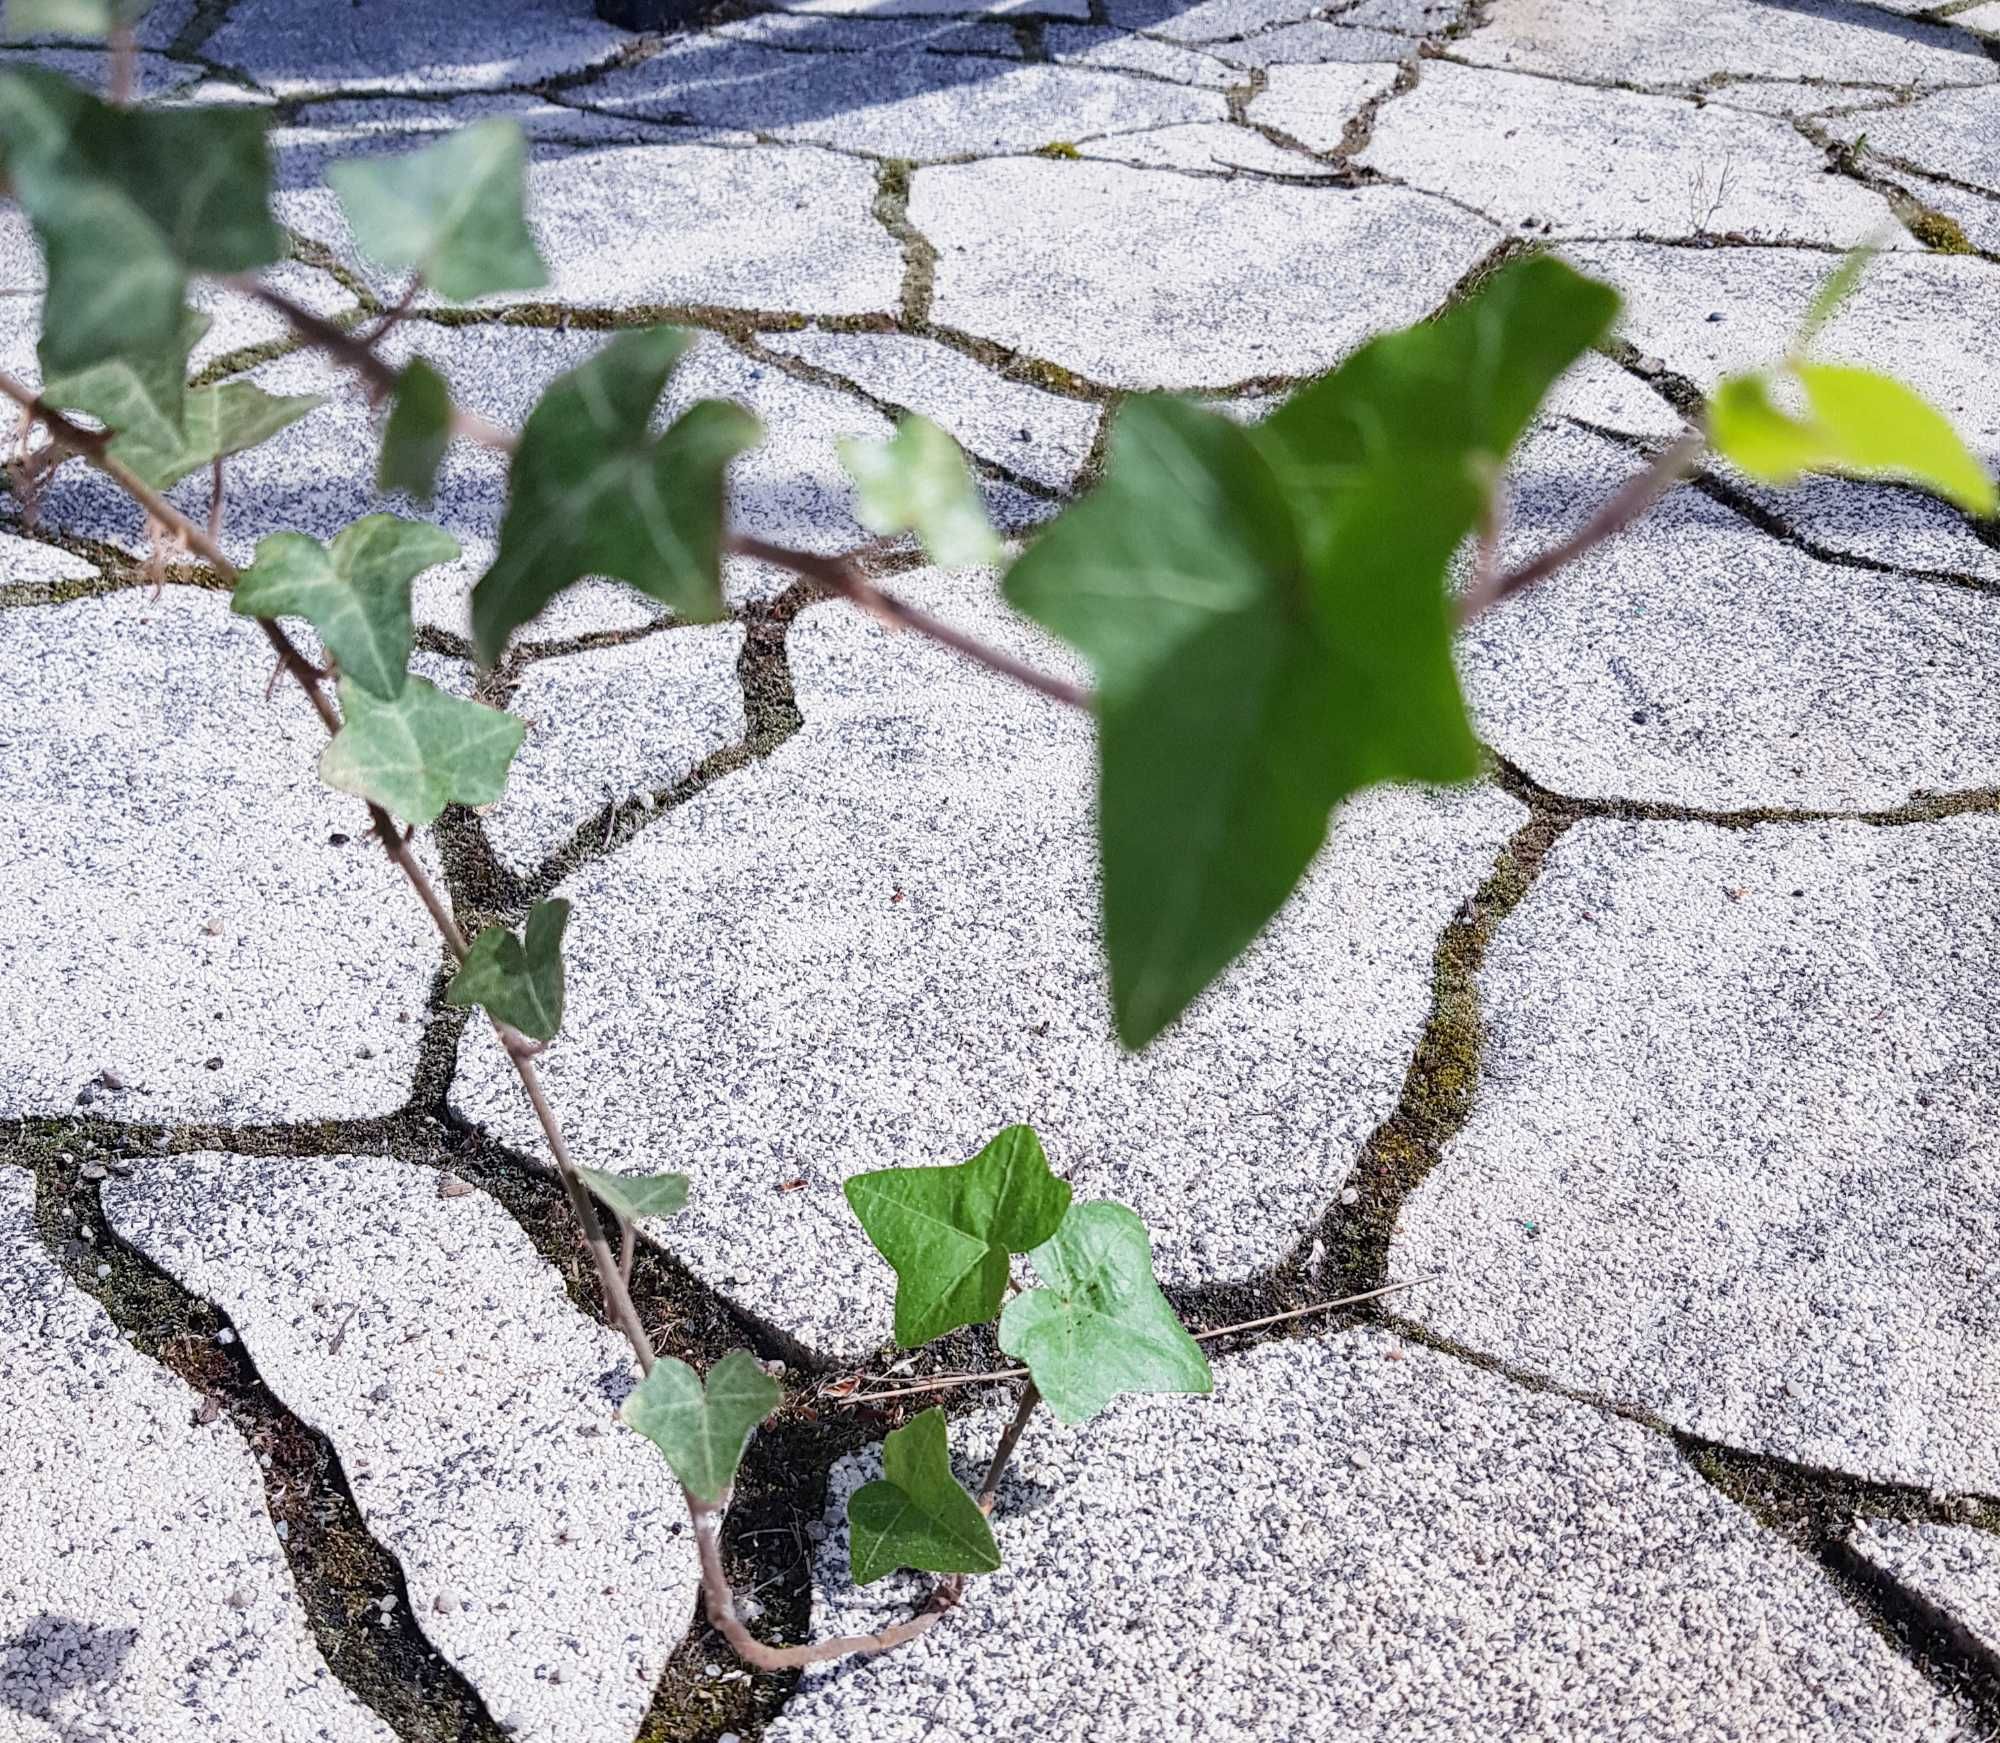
point(593, 492)
point(1856, 422)
point(452, 211)
point(421, 752)
point(1839, 285)
point(121, 218)
point(418, 432)
point(1266, 613)
point(635, 1195)
point(142, 395)
point(917, 1514)
point(917, 482)
point(1101, 1327)
point(519, 983)
point(91, 18)
point(356, 594)
point(703, 1430)
point(215, 423)
point(948, 1231)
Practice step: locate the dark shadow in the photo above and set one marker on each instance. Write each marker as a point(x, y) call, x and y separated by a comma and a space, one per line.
point(1915, 30)
point(49, 1667)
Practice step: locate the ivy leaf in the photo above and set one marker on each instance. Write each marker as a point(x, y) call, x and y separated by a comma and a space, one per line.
point(142, 395)
point(917, 1514)
point(121, 219)
point(635, 1195)
point(91, 18)
point(948, 1231)
point(521, 984)
point(1101, 1327)
point(1266, 613)
point(417, 433)
point(421, 752)
point(593, 492)
point(703, 1430)
point(452, 211)
point(917, 482)
point(1840, 284)
point(356, 594)
point(1856, 422)
point(215, 423)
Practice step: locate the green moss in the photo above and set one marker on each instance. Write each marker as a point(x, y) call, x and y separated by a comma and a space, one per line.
point(1060, 148)
point(1938, 233)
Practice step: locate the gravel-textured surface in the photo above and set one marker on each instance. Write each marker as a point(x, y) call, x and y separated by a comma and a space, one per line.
point(472, 1407)
point(1955, 1567)
point(1360, 1538)
point(143, 1593)
point(1732, 1156)
point(1316, 104)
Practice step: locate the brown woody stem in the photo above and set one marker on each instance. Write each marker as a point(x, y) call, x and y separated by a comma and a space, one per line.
point(989, 1486)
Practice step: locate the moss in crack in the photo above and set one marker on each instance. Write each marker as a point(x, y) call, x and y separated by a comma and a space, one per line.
point(892, 212)
point(1937, 232)
point(1059, 148)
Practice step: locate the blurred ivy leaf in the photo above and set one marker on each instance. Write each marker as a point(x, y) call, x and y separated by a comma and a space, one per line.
point(140, 394)
point(948, 1231)
point(520, 982)
point(1838, 286)
point(452, 210)
point(635, 1195)
point(917, 1514)
point(1856, 422)
point(1265, 610)
point(91, 18)
point(121, 218)
point(215, 423)
point(594, 492)
point(421, 752)
point(917, 482)
point(356, 593)
point(1101, 1326)
point(417, 433)
point(703, 1430)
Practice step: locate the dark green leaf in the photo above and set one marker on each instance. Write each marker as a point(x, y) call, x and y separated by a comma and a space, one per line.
point(452, 211)
point(917, 1515)
point(948, 1231)
point(635, 1195)
point(418, 432)
point(1266, 613)
point(519, 983)
point(90, 18)
point(142, 395)
point(1101, 1327)
point(593, 492)
point(421, 752)
point(917, 482)
point(215, 423)
point(357, 595)
point(703, 1430)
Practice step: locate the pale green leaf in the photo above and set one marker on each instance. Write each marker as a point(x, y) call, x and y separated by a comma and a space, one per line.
point(417, 433)
point(917, 1514)
point(1101, 1326)
point(1838, 286)
point(520, 983)
point(141, 394)
point(215, 423)
point(948, 1231)
point(703, 1430)
point(917, 482)
point(421, 752)
point(594, 492)
point(451, 210)
point(356, 594)
point(85, 18)
point(634, 1196)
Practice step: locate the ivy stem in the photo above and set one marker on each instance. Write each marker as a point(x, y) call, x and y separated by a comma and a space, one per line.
point(989, 1487)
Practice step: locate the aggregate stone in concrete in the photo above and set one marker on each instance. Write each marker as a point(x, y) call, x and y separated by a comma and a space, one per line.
point(32, 562)
point(1090, 46)
point(1208, 20)
point(1955, 1567)
point(1697, 660)
point(411, 45)
point(1314, 104)
point(880, 945)
point(1041, 436)
point(927, 8)
point(1949, 133)
point(1636, 42)
point(1549, 158)
point(1207, 148)
point(1732, 1158)
point(189, 910)
point(1313, 42)
point(889, 104)
point(1984, 18)
point(610, 726)
point(546, 1546)
point(145, 1593)
point(1095, 267)
point(1357, 1538)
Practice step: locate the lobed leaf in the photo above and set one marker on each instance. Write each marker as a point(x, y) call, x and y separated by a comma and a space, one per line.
point(421, 752)
point(519, 982)
point(356, 594)
point(593, 492)
point(703, 1430)
point(948, 1231)
point(1101, 1326)
point(917, 1514)
point(452, 211)
point(635, 1195)
point(141, 394)
point(917, 482)
point(215, 423)
point(417, 433)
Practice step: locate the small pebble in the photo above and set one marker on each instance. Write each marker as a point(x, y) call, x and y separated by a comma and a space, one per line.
point(1350, 1195)
point(445, 1603)
point(103, 1271)
point(386, 1602)
point(225, 1336)
point(92, 1171)
point(284, 1531)
point(238, 1599)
